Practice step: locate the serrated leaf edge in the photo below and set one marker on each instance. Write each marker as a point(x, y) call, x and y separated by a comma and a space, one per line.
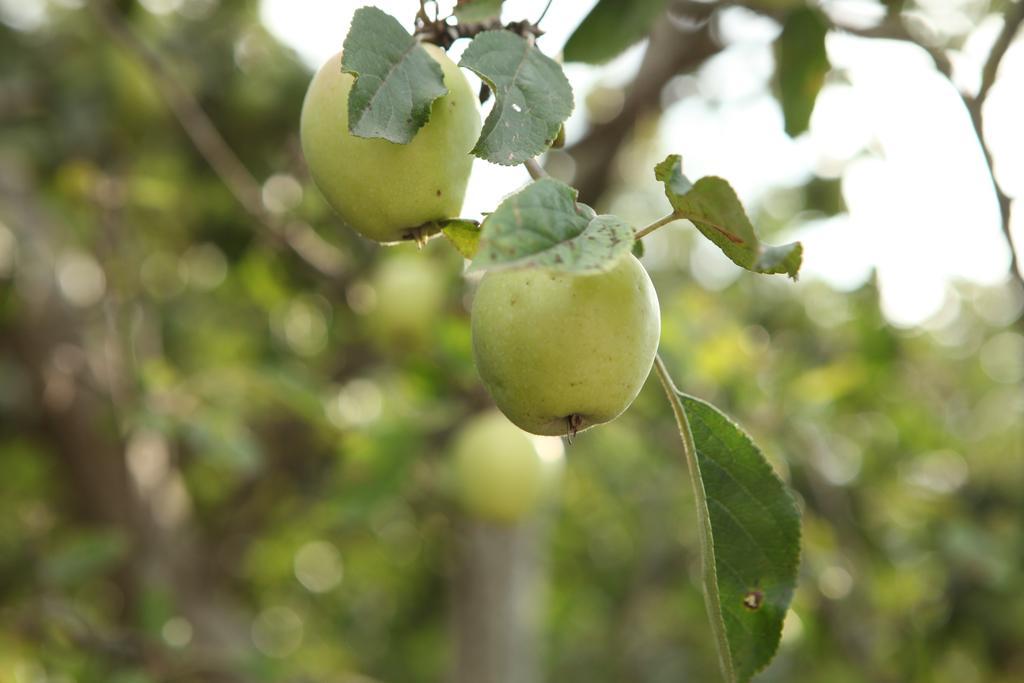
point(765, 467)
point(433, 66)
point(515, 160)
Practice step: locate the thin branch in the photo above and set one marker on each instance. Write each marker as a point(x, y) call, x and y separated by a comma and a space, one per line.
point(1011, 25)
point(543, 14)
point(210, 143)
point(893, 28)
point(443, 34)
point(535, 169)
point(712, 599)
point(664, 220)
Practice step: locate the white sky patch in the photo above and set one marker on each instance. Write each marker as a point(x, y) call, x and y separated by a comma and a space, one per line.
point(922, 209)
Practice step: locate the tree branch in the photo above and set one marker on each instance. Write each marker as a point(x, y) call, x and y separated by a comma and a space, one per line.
point(210, 143)
point(671, 51)
point(1011, 25)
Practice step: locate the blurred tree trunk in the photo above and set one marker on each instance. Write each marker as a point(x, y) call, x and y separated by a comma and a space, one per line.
point(78, 387)
point(498, 594)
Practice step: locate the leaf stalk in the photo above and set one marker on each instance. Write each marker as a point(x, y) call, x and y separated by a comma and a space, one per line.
point(709, 580)
point(536, 170)
point(664, 220)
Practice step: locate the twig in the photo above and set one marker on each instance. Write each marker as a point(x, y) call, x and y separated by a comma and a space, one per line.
point(893, 28)
point(535, 169)
point(1012, 21)
point(298, 236)
point(441, 33)
point(1011, 25)
point(543, 14)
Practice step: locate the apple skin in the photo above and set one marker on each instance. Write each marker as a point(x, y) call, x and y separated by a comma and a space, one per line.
point(381, 189)
point(551, 345)
point(499, 475)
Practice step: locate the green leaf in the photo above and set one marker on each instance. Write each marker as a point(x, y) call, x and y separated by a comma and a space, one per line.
point(756, 534)
point(396, 83)
point(638, 248)
point(802, 66)
point(476, 11)
point(543, 225)
point(749, 531)
point(713, 207)
point(610, 28)
point(532, 97)
point(559, 141)
point(825, 195)
point(464, 235)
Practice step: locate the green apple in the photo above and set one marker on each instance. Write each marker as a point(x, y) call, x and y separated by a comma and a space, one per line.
point(498, 473)
point(410, 291)
point(561, 352)
point(381, 189)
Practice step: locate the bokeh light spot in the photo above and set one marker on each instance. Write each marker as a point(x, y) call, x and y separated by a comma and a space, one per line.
point(318, 566)
point(281, 193)
point(277, 632)
point(80, 278)
point(177, 632)
point(357, 403)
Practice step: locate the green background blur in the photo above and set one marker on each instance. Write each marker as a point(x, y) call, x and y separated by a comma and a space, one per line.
point(217, 463)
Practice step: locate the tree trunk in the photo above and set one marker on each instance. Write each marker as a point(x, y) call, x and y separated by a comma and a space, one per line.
point(497, 595)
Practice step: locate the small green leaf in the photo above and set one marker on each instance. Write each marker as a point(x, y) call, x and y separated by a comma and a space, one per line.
point(610, 28)
point(638, 248)
point(464, 235)
point(559, 142)
point(755, 536)
point(476, 11)
point(802, 66)
point(825, 195)
point(396, 83)
point(713, 207)
point(543, 225)
point(532, 97)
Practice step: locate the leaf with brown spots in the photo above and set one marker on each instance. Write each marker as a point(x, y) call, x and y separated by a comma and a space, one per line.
point(713, 207)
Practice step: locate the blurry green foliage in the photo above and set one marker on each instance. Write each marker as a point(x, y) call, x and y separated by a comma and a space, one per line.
point(306, 461)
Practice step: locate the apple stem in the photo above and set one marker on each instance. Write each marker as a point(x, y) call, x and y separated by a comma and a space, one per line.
point(574, 421)
point(536, 171)
point(664, 220)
